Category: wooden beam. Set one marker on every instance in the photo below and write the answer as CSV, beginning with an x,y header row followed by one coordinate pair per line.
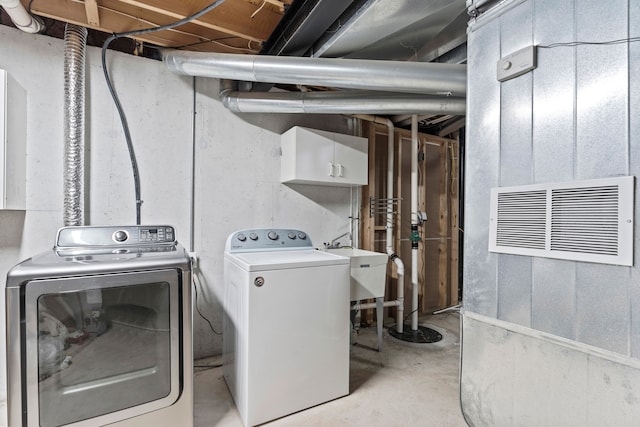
x,y
121,16
453,126
121,21
276,3
91,9
232,17
454,225
443,228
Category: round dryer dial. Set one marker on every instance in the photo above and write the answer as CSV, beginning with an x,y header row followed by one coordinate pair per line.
x,y
272,235
120,236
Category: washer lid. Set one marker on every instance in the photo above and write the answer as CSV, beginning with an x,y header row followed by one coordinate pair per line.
x,y
283,260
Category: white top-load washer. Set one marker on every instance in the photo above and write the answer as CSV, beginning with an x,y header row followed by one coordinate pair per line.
x,y
286,323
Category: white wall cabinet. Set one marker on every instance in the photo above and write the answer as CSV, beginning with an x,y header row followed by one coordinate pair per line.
x,y
13,141
311,156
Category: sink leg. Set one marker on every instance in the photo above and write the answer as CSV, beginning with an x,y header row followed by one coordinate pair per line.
x,y
379,316
352,326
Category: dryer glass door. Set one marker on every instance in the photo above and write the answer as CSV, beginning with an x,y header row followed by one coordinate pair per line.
x,y
101,348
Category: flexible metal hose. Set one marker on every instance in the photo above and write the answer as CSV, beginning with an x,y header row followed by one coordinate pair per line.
x,y
75,41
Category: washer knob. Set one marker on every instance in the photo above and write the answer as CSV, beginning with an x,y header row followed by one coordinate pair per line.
x,y
120,236
292,235
253,236
302,235
241,237
272,235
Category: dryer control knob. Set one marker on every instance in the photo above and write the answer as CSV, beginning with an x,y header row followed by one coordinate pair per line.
x,y
292,235
253,236
241,237
302,235
120,236
272,235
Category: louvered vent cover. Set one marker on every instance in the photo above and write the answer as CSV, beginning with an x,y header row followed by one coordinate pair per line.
x,y
581,220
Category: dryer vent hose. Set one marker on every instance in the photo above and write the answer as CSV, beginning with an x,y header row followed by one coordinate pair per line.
x,y
75,41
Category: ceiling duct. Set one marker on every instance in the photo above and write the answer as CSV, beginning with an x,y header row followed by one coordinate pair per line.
x,y
342,102
390,76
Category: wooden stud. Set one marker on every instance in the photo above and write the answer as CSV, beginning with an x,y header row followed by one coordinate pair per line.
x,y
437,180
91,9
443,228
454,225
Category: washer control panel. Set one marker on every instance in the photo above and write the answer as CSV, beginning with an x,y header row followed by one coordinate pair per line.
x,y
268,239
73,237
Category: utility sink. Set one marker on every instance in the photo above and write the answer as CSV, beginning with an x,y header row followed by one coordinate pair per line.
x,y
368,272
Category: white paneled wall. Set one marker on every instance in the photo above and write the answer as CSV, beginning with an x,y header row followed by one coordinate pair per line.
x,y
237,166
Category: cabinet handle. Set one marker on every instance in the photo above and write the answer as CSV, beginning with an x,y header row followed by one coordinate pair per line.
x,y
332,169
340,170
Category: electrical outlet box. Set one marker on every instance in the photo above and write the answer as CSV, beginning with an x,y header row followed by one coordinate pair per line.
x,y
516,64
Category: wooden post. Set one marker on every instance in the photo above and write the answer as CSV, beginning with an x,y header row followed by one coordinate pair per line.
x,y
443,227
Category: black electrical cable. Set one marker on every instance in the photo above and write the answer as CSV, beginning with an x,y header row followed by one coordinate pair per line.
x,y
116,100
409,315
195,288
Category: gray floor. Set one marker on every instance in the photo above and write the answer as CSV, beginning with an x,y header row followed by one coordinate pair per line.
x,y
404,385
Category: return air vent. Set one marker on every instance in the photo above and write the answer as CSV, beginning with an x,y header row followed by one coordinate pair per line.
x,y
582,220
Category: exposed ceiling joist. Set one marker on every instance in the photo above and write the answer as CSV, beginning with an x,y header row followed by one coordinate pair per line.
x,y
234,26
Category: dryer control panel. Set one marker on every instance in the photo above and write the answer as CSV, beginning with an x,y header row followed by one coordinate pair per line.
x,y
138,235
266,239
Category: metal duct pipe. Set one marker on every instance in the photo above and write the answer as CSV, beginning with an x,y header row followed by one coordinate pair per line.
x,y
21,18
393,76
338,102
75,41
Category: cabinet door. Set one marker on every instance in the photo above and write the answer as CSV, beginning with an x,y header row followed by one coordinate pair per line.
x,y
351,161
307,157
311,156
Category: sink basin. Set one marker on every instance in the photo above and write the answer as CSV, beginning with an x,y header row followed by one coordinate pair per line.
x,y
368,272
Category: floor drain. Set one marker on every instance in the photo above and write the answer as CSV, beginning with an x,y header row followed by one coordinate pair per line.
x,y
422,335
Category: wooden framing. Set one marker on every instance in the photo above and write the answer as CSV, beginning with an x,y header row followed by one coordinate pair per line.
x,y
438,197
234,26
91,9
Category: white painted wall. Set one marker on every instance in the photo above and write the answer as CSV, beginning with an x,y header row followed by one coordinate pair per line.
x,y
160,111
237,166
237,187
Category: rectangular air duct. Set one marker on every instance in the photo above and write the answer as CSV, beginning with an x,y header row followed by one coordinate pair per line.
x,y
588,221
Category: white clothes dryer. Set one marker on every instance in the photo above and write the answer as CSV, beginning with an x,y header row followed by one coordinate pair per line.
x,y
286,323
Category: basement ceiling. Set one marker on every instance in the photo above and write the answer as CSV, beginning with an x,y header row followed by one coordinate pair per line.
x,y
236,26
373,29
412,30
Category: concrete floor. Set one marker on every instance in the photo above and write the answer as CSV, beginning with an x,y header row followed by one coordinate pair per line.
x,y
404,385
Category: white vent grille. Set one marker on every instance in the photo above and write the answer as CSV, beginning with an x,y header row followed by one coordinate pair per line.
x,y
583,221
521,219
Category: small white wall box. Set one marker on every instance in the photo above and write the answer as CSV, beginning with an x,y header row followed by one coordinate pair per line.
x,y
13,143
311,156
516,64
588,221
